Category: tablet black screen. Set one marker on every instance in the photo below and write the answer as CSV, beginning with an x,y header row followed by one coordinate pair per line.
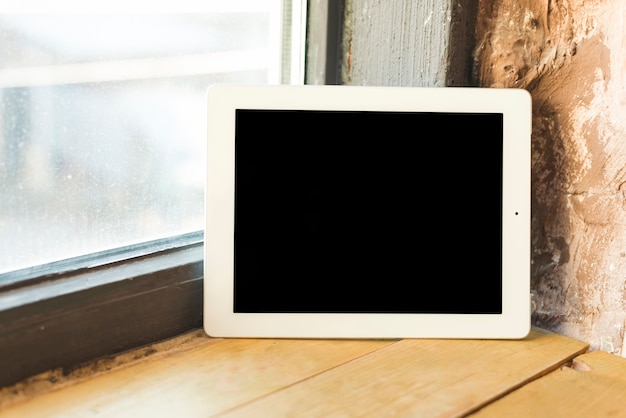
x,y
368,212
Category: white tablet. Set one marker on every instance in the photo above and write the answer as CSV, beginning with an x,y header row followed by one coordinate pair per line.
x,y
367,212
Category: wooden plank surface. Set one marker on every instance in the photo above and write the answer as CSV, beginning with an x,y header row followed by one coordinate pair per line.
x,y
267,377
594,386
200,382
420,378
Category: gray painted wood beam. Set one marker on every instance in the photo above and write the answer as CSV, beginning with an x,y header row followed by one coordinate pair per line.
x,y
425,43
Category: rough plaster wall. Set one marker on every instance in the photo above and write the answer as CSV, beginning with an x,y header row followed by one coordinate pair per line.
x,y
570,54
396,42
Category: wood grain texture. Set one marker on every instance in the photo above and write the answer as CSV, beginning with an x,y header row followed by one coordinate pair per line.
x,y
420,378
595,386
200,382
312,378
397,43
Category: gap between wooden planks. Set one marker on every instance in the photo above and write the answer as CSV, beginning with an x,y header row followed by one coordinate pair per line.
x,y
313,378
593,386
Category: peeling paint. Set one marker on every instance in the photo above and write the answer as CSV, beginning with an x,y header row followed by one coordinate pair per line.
x,y
565,54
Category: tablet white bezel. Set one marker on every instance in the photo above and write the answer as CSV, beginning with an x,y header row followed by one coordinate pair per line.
x,y
219,317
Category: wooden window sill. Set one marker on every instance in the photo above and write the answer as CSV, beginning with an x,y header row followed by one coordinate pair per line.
x,y
67,313
194,375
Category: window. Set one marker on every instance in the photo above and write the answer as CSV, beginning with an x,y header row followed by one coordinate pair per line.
x,y
102,118
102,136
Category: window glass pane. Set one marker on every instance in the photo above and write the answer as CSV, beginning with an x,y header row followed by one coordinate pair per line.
x,y
102,121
